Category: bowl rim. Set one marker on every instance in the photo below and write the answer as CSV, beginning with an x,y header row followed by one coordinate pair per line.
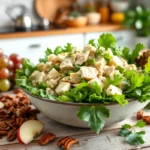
x,y
71,103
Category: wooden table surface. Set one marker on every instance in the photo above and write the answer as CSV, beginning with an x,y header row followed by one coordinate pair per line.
x,y
108,139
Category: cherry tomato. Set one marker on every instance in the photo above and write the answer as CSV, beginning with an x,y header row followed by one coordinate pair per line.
x,y
10,65
17,66
15,58
4,85
4,73
3,62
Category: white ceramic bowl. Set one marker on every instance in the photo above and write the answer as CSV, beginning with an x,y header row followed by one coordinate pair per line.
x,y
119,6
93,18
65,113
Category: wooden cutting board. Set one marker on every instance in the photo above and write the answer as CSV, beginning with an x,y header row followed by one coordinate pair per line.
x,y
49,8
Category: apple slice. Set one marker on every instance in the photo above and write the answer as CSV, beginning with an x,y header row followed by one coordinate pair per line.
x,y
1,105
29,130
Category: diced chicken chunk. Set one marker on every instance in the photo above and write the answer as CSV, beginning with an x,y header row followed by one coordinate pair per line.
x,y
98,81
53,74
49,91
66,79
112,90
62,56
53,58
115,61
66,64
113,73
52,82
37,77
41,66
124,62
90,48
88,73
48,66
62,87
108,70
82,57
131,67
100,65
75,77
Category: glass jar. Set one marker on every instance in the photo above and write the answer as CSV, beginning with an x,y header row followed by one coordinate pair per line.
x,y
104,10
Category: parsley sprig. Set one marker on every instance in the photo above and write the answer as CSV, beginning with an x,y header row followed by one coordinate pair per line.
x,y
132,136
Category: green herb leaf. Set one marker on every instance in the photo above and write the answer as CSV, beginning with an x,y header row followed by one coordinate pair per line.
x,y
68,48
126,53
147,66
117,79
134,139
126,126
140,124
91,61
107,57
124,132
92,42
94,115
107,40
76,67
135,52
58,50
47,53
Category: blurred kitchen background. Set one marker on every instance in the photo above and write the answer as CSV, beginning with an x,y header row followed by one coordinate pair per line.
x,y
28,27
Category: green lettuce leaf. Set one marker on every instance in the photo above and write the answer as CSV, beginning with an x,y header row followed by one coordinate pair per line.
x,y
117,79
135,80
47,53
147,66
120,99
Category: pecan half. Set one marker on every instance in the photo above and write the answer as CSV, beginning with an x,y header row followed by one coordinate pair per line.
x,y
19,121
46,138
12,135
146,119
140,114
16,91
4,126
3,133
67,142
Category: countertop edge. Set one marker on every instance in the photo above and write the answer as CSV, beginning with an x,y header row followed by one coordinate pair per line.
x,y
81,30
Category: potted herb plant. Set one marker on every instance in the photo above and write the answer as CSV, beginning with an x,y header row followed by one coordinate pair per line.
x,y
139,18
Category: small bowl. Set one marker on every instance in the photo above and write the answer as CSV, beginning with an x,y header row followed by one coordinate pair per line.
x,y
119,6
65,113
93,18
76,22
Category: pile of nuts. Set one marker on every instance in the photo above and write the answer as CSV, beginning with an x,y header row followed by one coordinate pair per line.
x,y
141,115
14,111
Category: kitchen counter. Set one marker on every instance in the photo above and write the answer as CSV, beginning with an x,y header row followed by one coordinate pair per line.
x,y
86,29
